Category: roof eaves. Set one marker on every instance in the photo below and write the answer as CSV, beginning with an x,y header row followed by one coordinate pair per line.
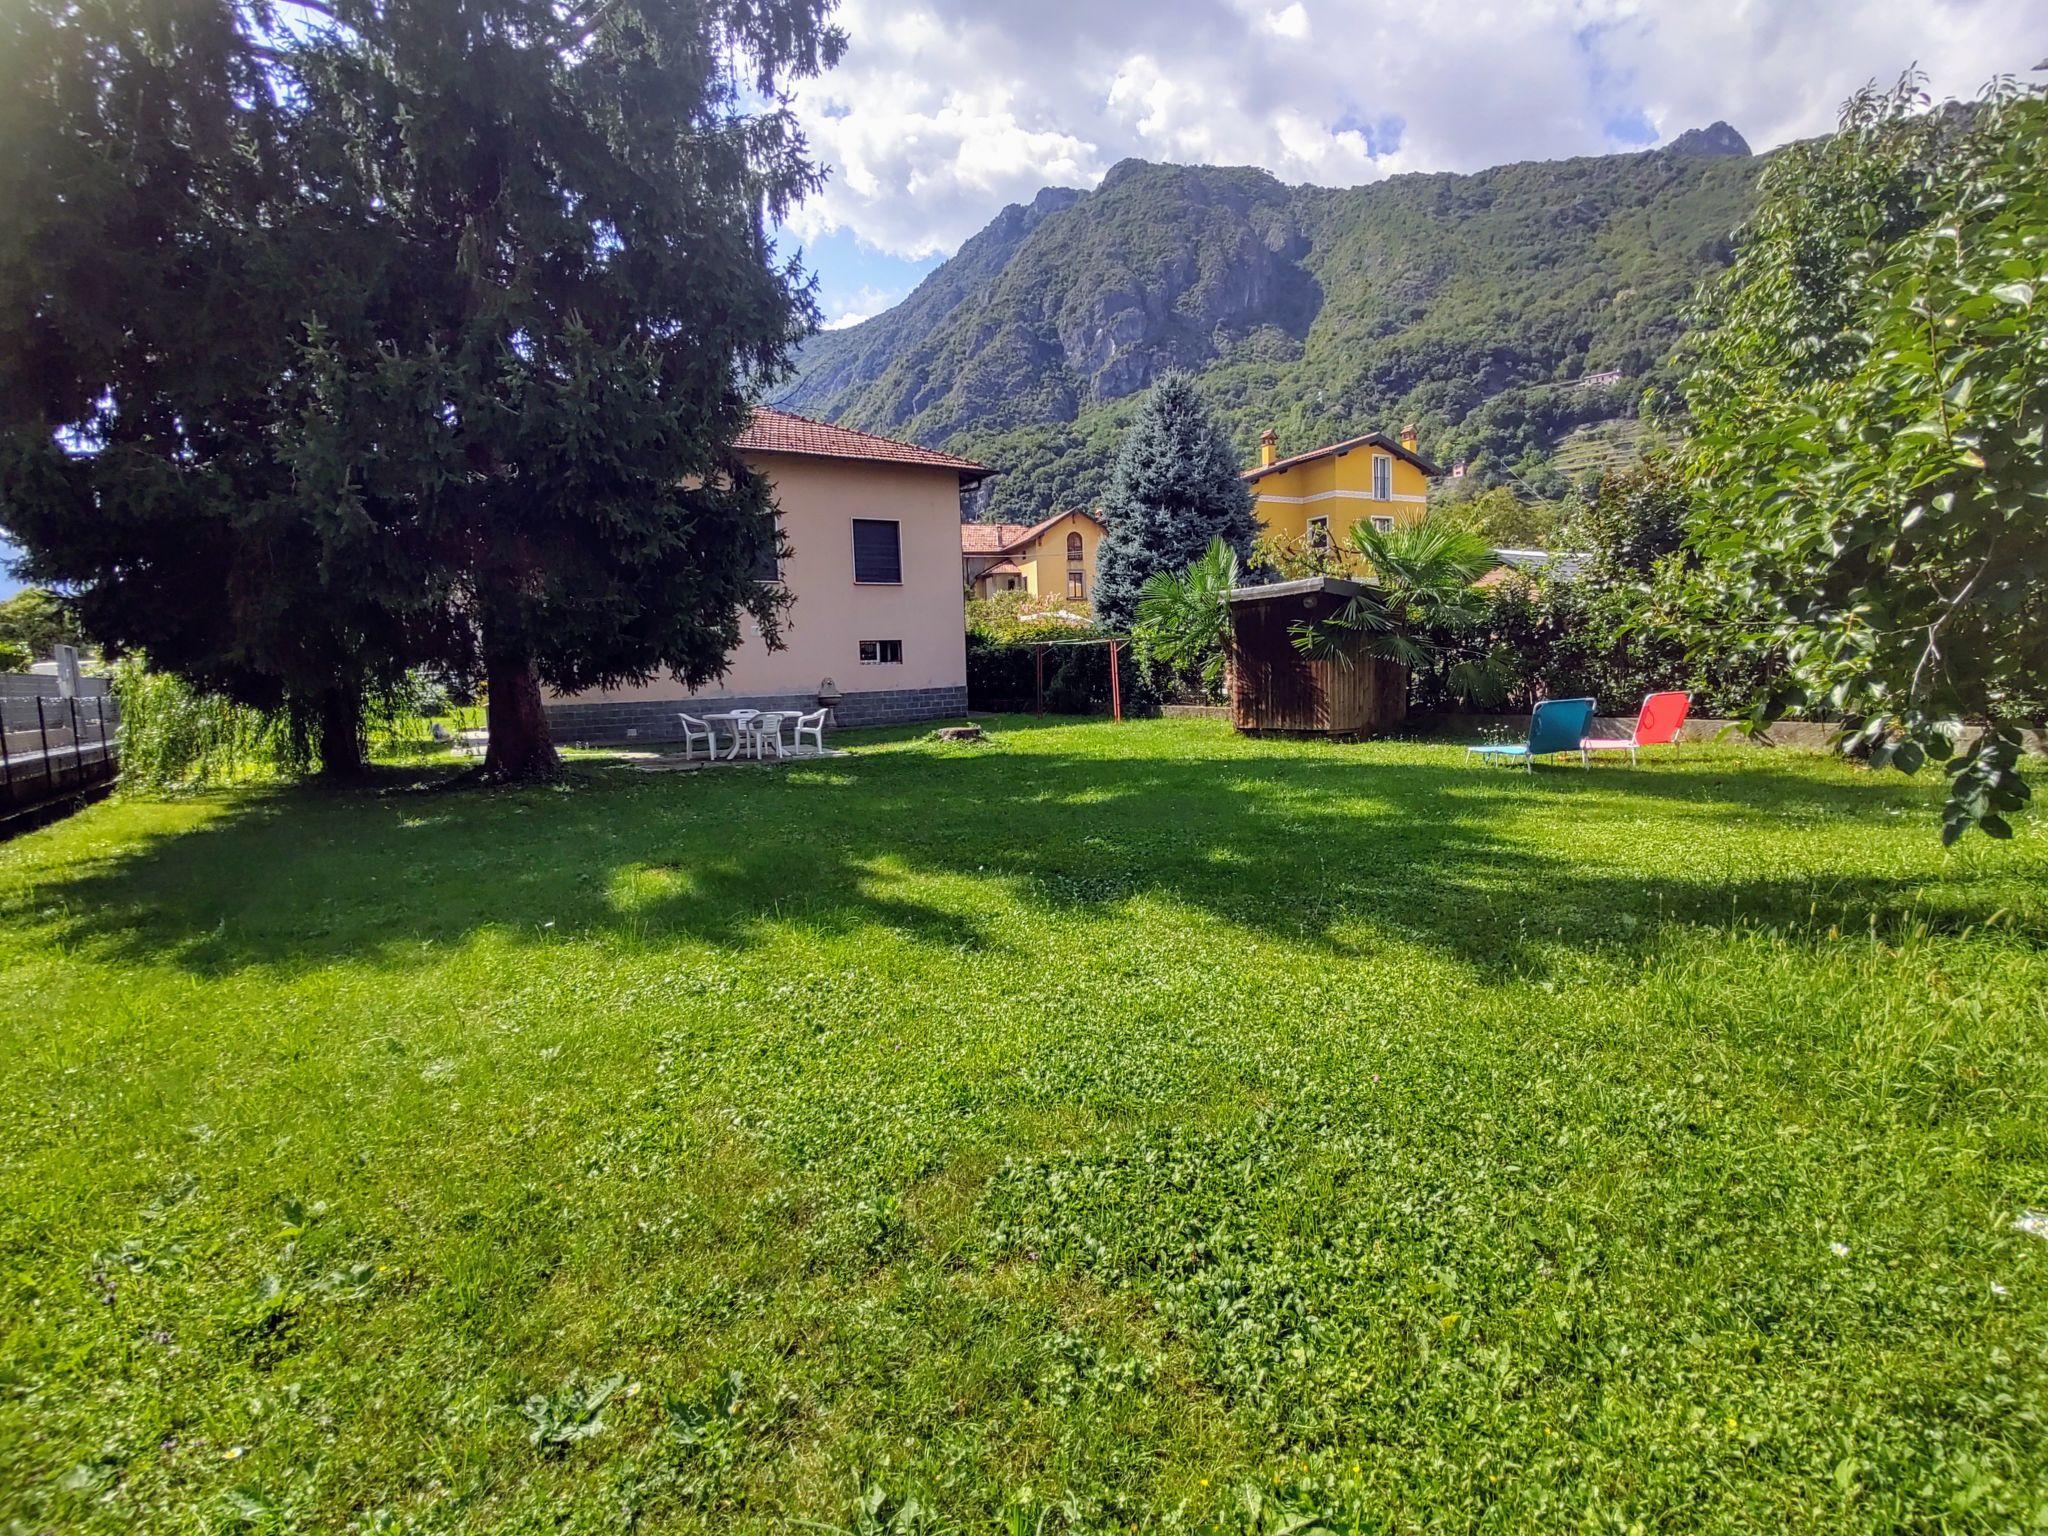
x,y
1332,450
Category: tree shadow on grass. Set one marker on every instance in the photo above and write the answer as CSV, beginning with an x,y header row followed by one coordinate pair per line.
x,y
1346,849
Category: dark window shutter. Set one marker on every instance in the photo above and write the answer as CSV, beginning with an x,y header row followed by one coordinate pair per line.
x,y
766,566
877,550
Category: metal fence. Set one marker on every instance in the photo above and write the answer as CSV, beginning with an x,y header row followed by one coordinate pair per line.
x,y
50,746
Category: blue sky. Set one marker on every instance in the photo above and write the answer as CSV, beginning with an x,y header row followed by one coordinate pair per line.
x,y
855,279
941,113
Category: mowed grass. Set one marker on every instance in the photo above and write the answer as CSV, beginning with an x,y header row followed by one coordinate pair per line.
x,y
1099,1129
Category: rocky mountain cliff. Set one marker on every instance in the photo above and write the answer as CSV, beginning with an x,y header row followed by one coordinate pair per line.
x,y
1476,305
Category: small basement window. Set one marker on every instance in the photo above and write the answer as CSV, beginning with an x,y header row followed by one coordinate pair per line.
x,y
877,552
881,652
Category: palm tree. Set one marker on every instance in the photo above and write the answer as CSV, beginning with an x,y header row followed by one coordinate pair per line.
x,y
1419,607
1184,618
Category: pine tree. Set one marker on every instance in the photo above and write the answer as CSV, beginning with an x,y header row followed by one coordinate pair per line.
x,y
1174,490
448,321
148,305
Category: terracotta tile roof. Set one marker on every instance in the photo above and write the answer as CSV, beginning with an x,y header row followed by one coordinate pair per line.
x,y
773,431
988,538
1328,450
995,538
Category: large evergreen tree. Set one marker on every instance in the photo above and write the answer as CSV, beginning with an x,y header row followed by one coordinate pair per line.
x,y
1175,490
475,293
149,304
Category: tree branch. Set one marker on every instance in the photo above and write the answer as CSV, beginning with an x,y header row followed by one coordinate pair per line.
x,y
1933,651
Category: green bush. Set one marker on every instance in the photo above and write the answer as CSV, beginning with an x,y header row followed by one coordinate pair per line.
x,y
173,737
1002,676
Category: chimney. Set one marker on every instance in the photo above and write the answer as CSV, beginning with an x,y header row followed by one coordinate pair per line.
x,y
1269,448
1408,438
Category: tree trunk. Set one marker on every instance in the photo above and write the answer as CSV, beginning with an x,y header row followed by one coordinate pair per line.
x,y
520,747
341,735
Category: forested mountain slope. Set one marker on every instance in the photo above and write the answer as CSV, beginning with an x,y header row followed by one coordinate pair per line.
x,y
1470,304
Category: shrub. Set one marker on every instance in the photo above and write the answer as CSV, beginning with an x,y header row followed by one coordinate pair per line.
x,y
1002,676
173,737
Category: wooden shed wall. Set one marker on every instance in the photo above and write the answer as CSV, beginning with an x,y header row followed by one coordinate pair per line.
x,y
1273,687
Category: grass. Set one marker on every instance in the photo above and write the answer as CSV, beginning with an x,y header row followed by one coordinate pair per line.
x,y
1100,1128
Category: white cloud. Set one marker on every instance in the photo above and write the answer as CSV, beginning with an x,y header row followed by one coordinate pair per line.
x,y
942,113
1290,21
866,302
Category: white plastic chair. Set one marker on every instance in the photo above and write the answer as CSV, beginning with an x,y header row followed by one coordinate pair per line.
x,y
765,731
692,729
812,725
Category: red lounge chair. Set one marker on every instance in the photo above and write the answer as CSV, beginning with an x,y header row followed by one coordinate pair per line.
x,y
1657,726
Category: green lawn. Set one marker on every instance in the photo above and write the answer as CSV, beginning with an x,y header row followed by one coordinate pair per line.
x,y
1100,1128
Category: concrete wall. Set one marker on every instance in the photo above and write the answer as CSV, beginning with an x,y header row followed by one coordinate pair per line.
x,y
28,685
655,720
1800,735
830,614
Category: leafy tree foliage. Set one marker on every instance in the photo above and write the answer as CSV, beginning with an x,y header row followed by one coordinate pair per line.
x,y
504,281
152,284
1505,519
1184,616
36,620
1421,608
1175,489
1633,521
1621,622
1868,414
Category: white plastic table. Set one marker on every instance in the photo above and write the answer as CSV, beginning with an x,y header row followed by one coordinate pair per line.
x,y
731,720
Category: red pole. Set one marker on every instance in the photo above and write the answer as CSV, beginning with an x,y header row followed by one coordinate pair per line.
x,y
1116,692
1038,661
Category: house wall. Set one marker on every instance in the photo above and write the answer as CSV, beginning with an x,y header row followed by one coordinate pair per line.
x,y
1339,488
1045,558
830,614
985,585
1043,561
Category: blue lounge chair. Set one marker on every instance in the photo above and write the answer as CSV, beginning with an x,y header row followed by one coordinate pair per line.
x,y
1555,725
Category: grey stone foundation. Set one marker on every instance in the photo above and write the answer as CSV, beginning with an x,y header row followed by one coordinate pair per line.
x,y
637,720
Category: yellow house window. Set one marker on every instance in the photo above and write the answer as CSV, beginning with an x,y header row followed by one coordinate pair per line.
x,y
1073,549
1319,533
1382,524
1076,584
1382,477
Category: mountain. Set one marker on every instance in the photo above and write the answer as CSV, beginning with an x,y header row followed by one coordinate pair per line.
x,y
1485,307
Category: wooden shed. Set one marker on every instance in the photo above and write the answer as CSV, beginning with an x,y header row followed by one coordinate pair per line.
x,y
1273,687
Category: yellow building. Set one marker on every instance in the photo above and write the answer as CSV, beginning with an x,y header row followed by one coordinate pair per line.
x,y
1315,497
1055,558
